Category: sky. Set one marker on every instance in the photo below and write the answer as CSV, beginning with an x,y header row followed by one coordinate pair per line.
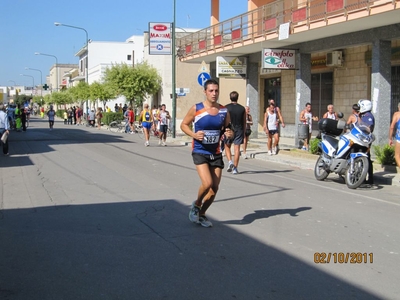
x,y
27,26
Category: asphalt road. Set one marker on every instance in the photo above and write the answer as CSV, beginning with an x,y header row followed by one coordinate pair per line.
x,y
90,214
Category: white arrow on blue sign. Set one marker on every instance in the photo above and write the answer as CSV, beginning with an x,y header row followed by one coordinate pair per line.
x,y
202,78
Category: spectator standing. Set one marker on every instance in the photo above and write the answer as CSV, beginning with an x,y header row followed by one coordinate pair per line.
x,y
210,120
4,128
395,131
126,119
306,117
238,119
23,119
79,112
65,117
51,114
330,114
18,122
249,123
155,112
164,117
74,114
368,119
70,116
99,116
91,118
353,118
131,118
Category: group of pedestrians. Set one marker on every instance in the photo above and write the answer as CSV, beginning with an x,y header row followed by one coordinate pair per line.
x,y
156,120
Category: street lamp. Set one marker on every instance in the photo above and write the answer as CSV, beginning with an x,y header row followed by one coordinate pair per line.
x,y
33,79
87,53
41,80
14,82
39,53
173,72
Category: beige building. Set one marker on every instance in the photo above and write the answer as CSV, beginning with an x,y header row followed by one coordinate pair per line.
x,y
342,51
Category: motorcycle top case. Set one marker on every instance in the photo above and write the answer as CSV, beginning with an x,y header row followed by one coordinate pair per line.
x,y
329,126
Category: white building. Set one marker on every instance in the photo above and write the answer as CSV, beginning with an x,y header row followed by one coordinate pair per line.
x,y
103,55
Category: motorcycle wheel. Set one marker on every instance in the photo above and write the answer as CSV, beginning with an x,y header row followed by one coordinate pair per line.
x,y
319,172
354,180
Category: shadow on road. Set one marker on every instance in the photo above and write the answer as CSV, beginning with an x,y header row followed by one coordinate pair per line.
x,y
149,250
263,214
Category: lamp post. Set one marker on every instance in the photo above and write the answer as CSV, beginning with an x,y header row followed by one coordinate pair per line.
x,y
41,81
87,54
14,82
173,72
33,80
39,53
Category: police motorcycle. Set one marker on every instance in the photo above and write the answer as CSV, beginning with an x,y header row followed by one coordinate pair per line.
x,y
344,153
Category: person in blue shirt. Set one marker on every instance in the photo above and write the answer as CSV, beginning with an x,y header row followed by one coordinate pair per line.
x,y
368,119
210,121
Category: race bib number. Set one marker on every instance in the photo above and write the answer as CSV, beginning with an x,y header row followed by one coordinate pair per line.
x,y
211,136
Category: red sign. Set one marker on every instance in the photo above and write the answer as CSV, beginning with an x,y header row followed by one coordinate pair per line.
x,y
160,27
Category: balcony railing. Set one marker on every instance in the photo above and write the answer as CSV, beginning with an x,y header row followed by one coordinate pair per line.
x,y
263,23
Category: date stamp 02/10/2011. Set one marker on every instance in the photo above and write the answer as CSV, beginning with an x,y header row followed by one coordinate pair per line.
x,y
343,258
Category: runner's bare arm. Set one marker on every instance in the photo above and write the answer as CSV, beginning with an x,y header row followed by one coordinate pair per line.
x,y
187,121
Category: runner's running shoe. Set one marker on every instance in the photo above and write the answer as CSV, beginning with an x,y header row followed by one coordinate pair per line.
x,y
203,221
194,213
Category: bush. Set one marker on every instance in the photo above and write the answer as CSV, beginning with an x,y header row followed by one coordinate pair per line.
x,y
109,117
314,146
60,113
384,155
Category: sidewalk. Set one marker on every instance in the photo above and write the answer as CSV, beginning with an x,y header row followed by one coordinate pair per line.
x,y
289,155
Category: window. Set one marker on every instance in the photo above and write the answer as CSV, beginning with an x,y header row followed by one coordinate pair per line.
x,y
321,93
129,57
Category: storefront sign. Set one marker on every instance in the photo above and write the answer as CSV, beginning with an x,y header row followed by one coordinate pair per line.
x,y
231,66
160,38
279,59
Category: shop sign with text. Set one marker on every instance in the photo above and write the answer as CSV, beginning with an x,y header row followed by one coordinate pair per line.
x,y
231,66
279,59
160,38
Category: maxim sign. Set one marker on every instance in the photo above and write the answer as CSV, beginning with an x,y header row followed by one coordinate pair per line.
x,y
278,59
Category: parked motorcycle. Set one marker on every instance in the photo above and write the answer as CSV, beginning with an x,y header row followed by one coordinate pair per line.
x,y
345,154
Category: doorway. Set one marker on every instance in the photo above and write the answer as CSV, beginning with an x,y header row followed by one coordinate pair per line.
x,y
272,90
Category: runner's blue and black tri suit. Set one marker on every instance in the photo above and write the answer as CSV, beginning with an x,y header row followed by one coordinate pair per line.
x,y
208,150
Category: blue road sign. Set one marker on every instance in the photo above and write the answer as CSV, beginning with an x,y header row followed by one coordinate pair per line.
x,y
202,78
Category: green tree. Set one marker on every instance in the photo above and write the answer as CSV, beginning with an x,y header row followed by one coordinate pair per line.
x,y
135,83
47,99
79,93
61,98
21,99
100,91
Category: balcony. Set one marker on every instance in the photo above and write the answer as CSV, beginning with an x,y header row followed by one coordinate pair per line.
x,y
308,20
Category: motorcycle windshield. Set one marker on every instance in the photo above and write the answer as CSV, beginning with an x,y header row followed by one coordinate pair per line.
x,y
362,131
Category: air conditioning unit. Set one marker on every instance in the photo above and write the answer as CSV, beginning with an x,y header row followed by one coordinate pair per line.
x,y
334,59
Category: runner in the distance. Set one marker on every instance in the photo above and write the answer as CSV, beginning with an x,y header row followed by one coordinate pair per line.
x,y
210,120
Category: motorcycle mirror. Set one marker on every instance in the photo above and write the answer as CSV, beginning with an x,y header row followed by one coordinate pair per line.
x,y
340,115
